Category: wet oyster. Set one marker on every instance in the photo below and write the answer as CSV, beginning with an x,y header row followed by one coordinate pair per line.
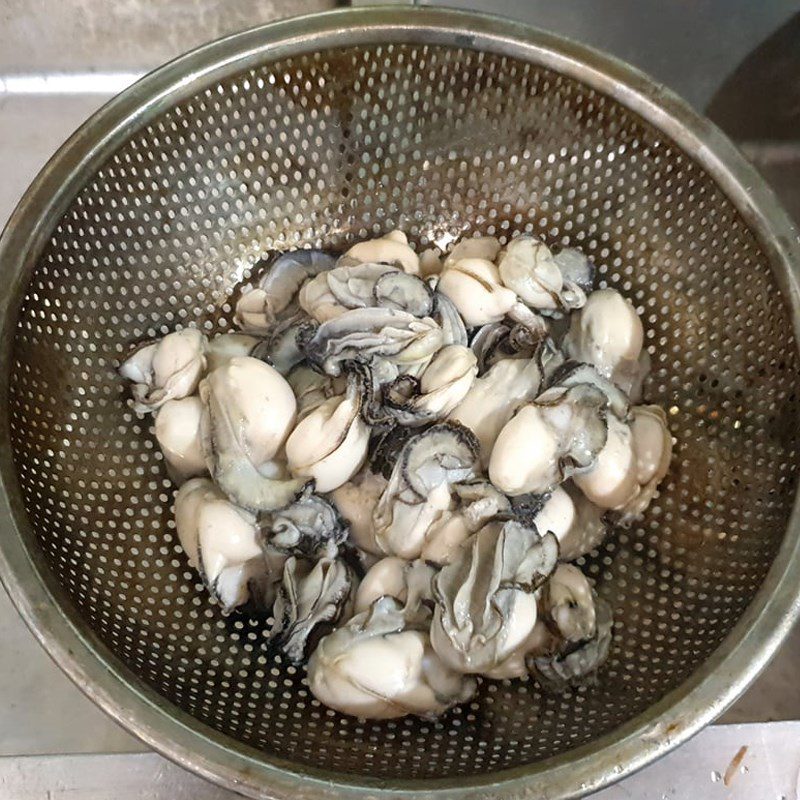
x,y
356,501
226,346
177,430
409,582
430,262
312,598
418,492
473,286
276,294
441,387
652,445
311,388
608,334
571,663
575,268
330,444
282,346
611,480
502,340
569,605
529,269
577,523
569,428
167,369
366,285
483,247
486,599
221,541
539,642
310,527
455,439
449,320
381,665
249,410
476,502
392,248
573,373
397,340
494,397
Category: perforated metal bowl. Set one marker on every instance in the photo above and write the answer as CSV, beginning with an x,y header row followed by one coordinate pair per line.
x,y
322,130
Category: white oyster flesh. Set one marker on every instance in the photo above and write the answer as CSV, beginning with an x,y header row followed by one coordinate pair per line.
x,y
568,603
221,540
392,337
447,379
444,538
330,444
318,301
249,409
356,501
587,528
477,502
366,285
226,346
311,389
275,296
442,386
418,492
177,430
446,315
527,268
494,397
473,286
187,506
168,369
483,247
652,445
556,516
526,453
611,481
608,334
538,642
381,665
393,248
486,603
313,597
385,578
568,428
409,582
430,262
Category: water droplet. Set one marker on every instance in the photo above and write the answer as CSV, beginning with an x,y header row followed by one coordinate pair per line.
x,y
715,777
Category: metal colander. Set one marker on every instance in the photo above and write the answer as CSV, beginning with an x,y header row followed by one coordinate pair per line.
x,y
318,132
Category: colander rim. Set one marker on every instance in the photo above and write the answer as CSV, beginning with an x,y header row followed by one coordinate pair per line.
x,y
45,606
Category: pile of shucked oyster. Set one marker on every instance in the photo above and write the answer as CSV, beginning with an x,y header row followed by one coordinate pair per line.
x,y
398,456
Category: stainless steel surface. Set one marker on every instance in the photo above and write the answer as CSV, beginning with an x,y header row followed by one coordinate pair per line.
x,y
689,46
708,576
45,36
707,767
